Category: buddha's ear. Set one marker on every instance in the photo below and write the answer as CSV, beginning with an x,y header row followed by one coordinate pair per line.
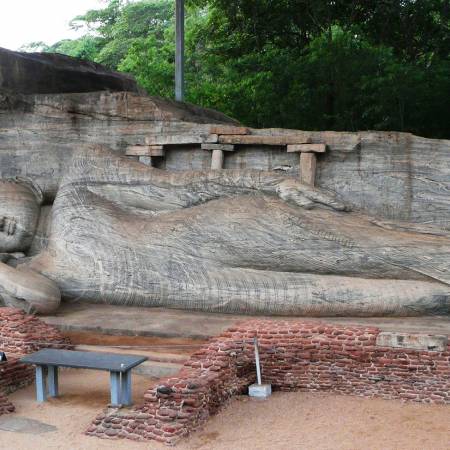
x,y
32,186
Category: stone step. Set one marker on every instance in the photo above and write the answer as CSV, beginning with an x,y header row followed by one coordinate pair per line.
x,y
158,365
157,369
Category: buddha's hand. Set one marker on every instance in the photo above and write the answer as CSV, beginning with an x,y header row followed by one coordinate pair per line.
x,y
8,225
308,197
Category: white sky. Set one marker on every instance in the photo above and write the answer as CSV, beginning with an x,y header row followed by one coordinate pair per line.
x,y
25,21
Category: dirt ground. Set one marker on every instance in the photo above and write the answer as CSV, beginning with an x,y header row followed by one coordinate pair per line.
x,y
285,421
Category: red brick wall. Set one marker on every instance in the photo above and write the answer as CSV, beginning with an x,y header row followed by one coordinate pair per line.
x,y
14,375
294,356
20,334
6,406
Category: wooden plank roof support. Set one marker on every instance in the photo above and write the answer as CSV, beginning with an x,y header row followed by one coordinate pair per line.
x,y
253,139
316,148
223,147
145,150
180,139
145,153
308,160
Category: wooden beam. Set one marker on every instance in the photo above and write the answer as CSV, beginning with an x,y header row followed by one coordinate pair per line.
x,y
251,139
157,150
179,139
145,150
223,147
315,148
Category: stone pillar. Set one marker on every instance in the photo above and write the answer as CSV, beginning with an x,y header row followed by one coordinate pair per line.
x,y
308,160
308,163
145,153
217,158
147,160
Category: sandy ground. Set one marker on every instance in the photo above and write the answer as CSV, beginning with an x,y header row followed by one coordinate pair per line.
x,y
285,421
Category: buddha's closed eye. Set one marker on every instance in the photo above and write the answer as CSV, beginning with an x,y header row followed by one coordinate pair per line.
x,y
8,225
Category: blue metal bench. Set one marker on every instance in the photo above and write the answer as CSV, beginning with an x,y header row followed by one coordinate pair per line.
x,y
48,360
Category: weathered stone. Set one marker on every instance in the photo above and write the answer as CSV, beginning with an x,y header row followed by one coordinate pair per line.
x,y
25,425
236,240
33,73
145,150
308,164
223,147
297,226
413,340
217,158
261,140
316,148
174,139
147,160
52,127
225,129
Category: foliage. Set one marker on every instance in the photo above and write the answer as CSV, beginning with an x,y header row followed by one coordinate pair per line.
x,y
308,64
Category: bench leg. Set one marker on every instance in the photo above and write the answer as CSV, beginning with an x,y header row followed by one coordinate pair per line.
x,y
115,388
52,381
41,394
125,388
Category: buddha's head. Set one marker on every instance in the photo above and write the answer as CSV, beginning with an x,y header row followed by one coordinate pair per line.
x,y
20,202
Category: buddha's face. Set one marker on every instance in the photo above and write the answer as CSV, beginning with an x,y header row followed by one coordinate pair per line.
x,y
19,214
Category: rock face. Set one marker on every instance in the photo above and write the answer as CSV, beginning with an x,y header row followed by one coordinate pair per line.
x,y
392,176
39,133
371,238
33,73
238,241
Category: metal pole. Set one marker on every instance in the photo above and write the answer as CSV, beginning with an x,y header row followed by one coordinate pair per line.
x,y
258,368
179,51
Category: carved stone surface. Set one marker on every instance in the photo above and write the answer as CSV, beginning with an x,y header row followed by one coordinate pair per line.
x,y
435,343
395,176
372,238
232,241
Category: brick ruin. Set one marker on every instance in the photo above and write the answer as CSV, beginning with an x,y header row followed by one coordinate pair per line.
x,y
295,355
21,334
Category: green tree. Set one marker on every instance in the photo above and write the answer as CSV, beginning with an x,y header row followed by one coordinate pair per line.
x,y
308,64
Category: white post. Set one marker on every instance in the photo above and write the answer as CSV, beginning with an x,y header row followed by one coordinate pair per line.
x,y
259,390
179,52
258,368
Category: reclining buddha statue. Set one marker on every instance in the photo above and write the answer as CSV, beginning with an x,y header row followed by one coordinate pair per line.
x,y
235,241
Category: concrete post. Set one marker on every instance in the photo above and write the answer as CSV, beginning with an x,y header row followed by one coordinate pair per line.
x,y
41,387
179,52
217,159
52,381
115,388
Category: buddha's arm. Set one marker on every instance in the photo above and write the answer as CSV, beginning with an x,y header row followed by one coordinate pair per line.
x,y
129,182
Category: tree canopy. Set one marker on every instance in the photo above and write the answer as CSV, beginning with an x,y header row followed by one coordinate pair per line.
x,y
307,64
